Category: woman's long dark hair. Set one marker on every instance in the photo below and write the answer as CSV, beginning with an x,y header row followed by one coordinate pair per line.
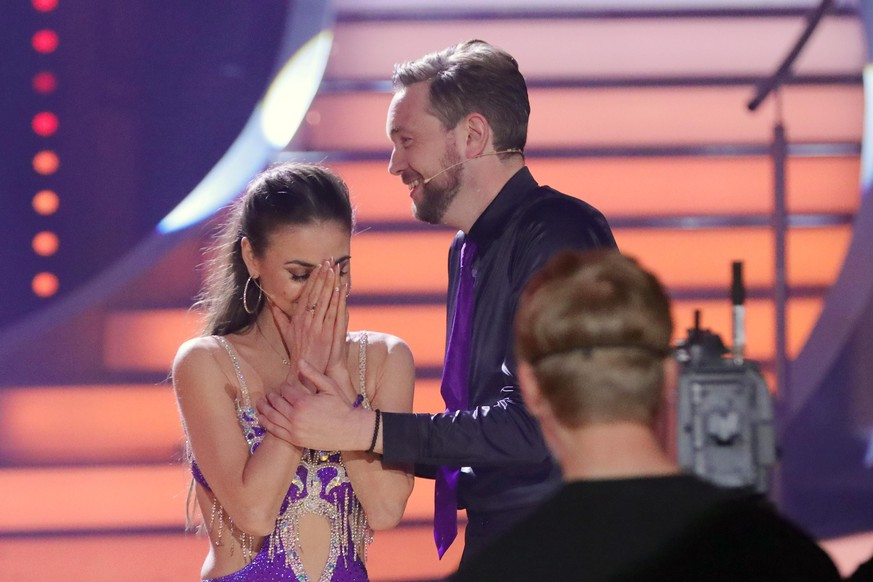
x,y
284,194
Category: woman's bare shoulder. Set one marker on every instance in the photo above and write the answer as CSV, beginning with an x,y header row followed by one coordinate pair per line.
x,y
383,345
199,361
393,371
196,349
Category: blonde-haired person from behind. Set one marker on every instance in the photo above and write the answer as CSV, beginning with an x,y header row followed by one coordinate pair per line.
x,y
593,343
275,302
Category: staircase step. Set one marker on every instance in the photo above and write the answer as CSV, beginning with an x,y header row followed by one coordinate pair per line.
x,y
760,323
93,498
638,187
77,425
402,554
136,342
119,498
702,258
604,47
622,116
147,340
401,262
421,326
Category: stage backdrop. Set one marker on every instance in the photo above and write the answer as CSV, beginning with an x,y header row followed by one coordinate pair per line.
x,y
120,109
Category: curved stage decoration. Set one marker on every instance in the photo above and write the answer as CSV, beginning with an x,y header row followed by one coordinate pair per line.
x,y
827,426
301,61
270,128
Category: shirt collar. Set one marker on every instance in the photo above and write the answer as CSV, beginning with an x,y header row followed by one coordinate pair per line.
x,y
493,220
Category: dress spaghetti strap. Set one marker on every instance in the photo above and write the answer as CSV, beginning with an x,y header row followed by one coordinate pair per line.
x,y
231,351
245,412
362,369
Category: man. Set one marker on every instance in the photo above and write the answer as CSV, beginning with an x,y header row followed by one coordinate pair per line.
x,y
593,341
458,124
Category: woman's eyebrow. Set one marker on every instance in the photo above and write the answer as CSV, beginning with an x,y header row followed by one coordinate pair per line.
x,y
300,263
308,265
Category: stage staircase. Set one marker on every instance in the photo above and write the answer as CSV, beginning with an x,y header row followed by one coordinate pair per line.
x,y
641,114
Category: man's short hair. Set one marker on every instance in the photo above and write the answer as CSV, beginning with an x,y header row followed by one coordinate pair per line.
x,y
473,77
595,327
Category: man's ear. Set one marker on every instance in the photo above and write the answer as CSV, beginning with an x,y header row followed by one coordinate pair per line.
x,y
248,257
478,135
530,390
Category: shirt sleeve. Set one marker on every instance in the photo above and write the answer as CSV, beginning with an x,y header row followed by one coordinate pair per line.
x,y
502,432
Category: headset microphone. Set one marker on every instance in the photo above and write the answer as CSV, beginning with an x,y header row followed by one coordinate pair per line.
x,y
444,170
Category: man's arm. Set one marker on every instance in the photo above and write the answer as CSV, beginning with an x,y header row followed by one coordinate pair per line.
x,y
503,432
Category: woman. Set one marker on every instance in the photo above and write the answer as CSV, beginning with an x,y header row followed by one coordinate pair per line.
x,y
275,298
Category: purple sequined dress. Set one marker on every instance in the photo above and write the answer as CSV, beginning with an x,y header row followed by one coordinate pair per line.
x,y
320,486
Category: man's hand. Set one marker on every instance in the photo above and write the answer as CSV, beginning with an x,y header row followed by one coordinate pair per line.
x,y
315,414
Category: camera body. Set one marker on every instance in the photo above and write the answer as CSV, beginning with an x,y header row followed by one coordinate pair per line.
x,y
724,413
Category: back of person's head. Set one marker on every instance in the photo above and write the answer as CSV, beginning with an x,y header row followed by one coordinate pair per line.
x,y
473,77
595,328
287,194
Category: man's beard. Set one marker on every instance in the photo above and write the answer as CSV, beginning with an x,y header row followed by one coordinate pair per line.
x,y
437,195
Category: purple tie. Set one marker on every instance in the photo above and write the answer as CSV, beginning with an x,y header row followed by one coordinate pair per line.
x,y
454,391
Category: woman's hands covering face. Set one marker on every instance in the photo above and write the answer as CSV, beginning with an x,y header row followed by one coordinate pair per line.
x,y
318,382
317,327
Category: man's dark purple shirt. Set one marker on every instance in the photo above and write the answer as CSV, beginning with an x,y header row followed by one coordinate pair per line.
x,y
497,441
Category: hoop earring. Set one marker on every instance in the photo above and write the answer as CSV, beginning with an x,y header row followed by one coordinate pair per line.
x,y
245,296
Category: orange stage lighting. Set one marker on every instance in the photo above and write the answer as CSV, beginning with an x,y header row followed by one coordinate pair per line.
x,y
45,284
45,243
46,162
46,202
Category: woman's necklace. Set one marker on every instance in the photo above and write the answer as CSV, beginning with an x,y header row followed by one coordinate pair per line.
x,y
284,359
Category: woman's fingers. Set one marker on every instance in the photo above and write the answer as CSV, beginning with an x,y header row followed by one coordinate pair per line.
x,y
310,332
315,307
308,295
330,315
338,348
292,391
322,293
271,419
276,430
316,380
323,384
342,324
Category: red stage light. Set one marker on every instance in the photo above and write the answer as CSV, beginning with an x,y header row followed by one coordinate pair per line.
x,y
44,284
46,202
45,5
46,162
44,82
45,41
45,124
